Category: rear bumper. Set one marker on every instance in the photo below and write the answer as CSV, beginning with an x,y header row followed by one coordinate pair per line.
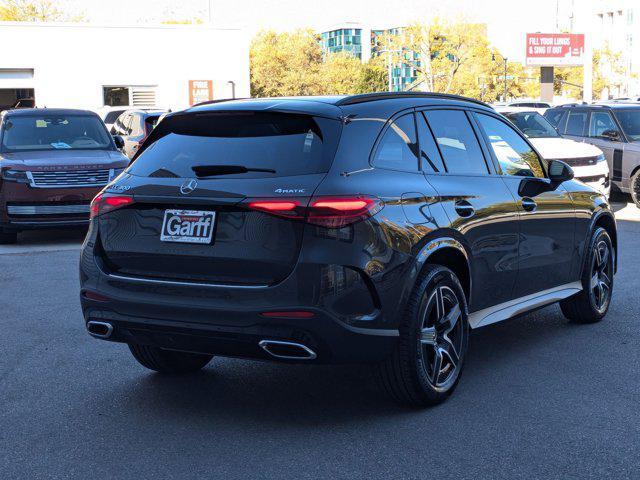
x,y
330,340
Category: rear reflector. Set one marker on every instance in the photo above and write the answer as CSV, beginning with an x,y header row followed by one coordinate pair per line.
x,y
290,314
89,295
329,212
107,202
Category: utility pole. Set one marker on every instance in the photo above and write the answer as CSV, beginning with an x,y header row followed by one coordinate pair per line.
x,y
505,78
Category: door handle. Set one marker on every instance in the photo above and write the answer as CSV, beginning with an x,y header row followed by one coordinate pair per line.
x,y
464,208
528,204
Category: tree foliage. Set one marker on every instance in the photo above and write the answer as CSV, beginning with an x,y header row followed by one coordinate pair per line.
x,y
33,11
292,63
446,57
608,72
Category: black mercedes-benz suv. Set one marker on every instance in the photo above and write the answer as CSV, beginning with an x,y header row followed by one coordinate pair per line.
x,y
373,228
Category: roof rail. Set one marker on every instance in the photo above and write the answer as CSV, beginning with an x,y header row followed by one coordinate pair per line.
x,y
583,104
371,97
210,102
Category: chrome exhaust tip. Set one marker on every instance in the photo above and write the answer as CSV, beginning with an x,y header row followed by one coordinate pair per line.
x,y
99,329
287,350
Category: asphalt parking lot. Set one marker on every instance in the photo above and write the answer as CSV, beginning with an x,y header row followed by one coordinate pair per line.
x,y
540,398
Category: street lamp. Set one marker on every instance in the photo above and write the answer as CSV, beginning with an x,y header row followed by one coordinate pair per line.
x,y
505,60
389,65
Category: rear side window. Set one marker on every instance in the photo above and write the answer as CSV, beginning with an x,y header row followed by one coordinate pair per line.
x,y
456,141
274,144
554,117
398,146
600,123
576,123
515,155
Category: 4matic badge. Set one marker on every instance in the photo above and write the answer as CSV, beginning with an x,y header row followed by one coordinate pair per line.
x,y
288,191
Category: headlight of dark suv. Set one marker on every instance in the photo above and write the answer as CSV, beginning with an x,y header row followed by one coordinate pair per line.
x,y
17,176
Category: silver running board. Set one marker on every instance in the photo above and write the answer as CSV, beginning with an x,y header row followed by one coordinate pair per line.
x,y
512,308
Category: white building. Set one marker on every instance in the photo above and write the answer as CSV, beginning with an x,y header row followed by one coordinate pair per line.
x,y
614,24
89,66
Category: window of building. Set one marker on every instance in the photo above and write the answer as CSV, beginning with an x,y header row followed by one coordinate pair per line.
x,y
127,95
457,142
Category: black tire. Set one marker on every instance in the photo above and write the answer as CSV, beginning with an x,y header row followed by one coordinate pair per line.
x,y
634,188
592,303
7,238
408,375
168,361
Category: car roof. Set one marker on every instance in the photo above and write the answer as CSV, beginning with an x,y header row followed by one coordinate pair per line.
x,y
596,106
336,105
513,109
144,111
26,112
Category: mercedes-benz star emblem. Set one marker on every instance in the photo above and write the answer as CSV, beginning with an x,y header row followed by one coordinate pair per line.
x,y
188,186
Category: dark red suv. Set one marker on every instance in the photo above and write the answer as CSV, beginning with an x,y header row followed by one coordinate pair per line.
x,y
52,163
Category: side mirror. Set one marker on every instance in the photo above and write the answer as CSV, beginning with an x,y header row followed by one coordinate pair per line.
x,y
559,171
119,141
613,135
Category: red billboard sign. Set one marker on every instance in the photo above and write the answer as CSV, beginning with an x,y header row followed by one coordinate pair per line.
x,y
550,49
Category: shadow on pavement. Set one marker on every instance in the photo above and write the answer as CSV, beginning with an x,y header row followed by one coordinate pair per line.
x,y
266,394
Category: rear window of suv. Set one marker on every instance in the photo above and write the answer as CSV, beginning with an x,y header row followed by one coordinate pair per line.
x,y
265,144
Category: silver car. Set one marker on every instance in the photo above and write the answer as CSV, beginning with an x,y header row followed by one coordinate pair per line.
x,y
615,129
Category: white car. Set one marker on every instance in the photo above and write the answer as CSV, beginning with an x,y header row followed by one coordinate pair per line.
x,y
110,114
588,162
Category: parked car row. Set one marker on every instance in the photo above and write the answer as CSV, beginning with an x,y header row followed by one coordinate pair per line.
x,y
615,129
588,162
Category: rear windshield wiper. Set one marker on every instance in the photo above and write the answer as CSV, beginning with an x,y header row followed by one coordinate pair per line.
x,y
213,170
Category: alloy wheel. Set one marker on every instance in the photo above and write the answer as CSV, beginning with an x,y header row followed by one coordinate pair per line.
x,y
442,338
635,189
601,276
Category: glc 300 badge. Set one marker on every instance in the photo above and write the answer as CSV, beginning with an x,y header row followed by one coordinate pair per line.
x,y
188,186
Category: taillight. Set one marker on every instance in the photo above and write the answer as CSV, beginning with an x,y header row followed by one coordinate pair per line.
x,y
324,211
283,208
336,212
107,202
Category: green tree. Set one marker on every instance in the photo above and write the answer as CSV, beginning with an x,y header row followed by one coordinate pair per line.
x,y
608,71
374,76
341,74
34,11
286,63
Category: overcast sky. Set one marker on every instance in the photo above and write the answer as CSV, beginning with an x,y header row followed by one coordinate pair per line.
x,y
507,20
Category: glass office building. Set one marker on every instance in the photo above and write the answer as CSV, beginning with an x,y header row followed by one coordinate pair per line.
x,y
364,43
348,40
